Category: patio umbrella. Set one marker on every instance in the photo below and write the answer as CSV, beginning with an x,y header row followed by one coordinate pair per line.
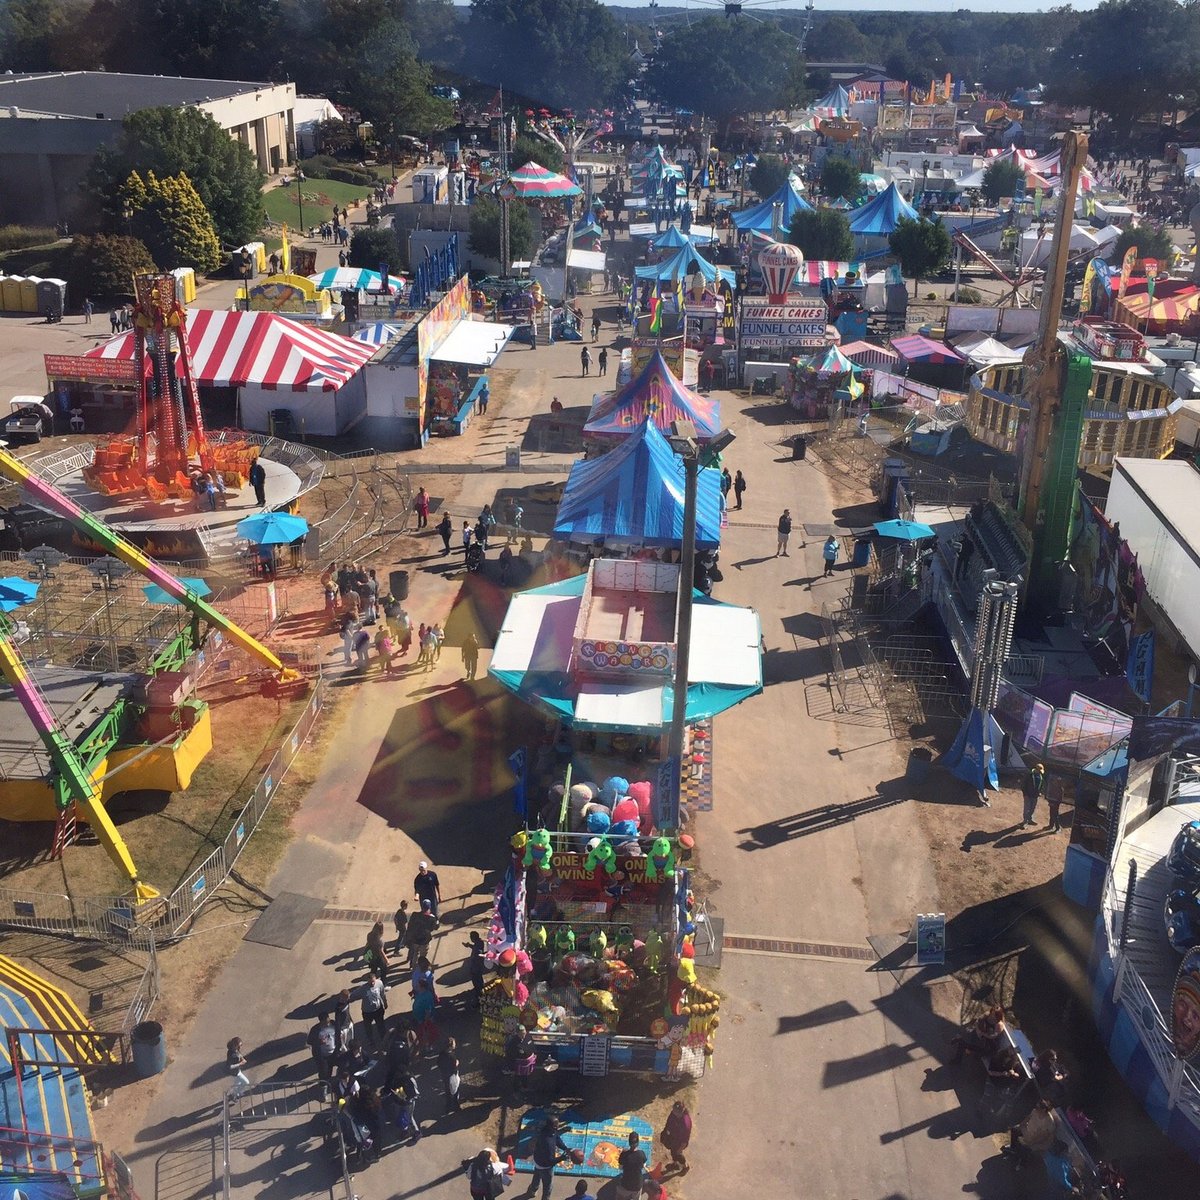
x,y
903,531
338,278
272,528
15,591
534,182
157,595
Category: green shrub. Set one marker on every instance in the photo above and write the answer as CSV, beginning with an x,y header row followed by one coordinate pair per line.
x,y
967,295
18,237
323,166
104,266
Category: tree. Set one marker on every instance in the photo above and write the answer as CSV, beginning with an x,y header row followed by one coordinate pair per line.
x,y
370,247
1150,243
921,246
485,229
841,177
338,139
104,265
170,218
726,69
1001,179
1128,58
770,173
822,233
568,53
183,141
529,148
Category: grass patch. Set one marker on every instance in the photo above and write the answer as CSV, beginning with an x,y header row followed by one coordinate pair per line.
x,y
320,195
46,262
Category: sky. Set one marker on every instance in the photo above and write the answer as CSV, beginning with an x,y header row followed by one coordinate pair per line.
x,y
888,5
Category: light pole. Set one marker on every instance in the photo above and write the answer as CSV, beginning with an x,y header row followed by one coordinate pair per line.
x,y
684,443
924,180
300,198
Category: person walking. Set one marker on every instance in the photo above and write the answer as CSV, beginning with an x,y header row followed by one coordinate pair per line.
x,y
420,933
467,534
429,645
374,1006
585,361
602,360
547,1142
448,1066
676,1134
322,1041
427,888
400,920
470,654
595,327
829,552
235,1063
1031,789
375,953
421,504
483,399
632,1162
486,1176
1055,791
87,311
445,528
475,965
726,481
739,486
258,481
784,530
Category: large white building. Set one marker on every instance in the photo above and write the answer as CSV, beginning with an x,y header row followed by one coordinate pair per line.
x,y
51,126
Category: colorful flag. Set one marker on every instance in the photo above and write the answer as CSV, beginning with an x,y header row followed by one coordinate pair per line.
x,y
656,315
1126,270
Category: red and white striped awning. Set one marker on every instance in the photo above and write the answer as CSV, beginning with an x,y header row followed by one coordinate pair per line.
x,y
867,354
233,349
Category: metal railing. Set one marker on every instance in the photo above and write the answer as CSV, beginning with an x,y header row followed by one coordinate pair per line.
x,y
145,995
26,1150
49,1047
115,919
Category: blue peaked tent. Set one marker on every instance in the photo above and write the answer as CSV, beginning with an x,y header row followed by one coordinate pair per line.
x,y
672,239
635,494
835,102
759,217
880,216
680,266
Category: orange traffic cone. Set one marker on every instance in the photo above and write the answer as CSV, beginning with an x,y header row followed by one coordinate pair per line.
x,y
510,1165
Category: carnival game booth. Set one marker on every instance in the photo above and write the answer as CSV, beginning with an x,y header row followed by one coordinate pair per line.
x,y
592,926
826,384
291,296
267,363
656,395
633,498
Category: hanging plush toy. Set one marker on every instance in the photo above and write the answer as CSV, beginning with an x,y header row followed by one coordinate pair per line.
x,y
517,842
564,940
662,859
536,939
538,851
623,942
654,949
598,943
686,971
601,854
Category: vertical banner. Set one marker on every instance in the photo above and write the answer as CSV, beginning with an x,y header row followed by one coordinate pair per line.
x,y
518,764
1139,668
666,794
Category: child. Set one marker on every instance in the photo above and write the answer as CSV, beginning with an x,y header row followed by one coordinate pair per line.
x,y
235,1061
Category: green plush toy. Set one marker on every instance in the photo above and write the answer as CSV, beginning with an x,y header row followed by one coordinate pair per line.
x,y
564,940
603,855
661,861
538,851
654,950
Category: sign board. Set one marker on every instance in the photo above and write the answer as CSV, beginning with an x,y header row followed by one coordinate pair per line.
x,y
765,326
666,794
79,368
931,939
593,1054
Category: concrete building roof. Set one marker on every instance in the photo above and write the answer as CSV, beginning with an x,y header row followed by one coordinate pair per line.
x,y
108,96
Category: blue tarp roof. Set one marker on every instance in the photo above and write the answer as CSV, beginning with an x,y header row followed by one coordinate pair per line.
x,y
760,216
681,265
635,493
882,215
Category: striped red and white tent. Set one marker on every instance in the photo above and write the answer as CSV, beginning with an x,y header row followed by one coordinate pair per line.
x,y
867,354
261,349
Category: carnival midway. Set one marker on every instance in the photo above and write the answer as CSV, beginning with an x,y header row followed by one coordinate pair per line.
x,y
633,650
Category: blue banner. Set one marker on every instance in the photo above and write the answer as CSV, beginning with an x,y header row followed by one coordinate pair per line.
x,y
1139,668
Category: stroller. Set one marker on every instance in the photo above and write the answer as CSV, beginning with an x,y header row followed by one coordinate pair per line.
x,y
475,557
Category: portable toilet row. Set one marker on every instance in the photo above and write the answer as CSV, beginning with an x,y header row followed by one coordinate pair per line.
x,y
29,294
185,284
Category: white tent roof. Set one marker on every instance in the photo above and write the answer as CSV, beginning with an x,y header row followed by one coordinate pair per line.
x,y
585,260
988,351
474,343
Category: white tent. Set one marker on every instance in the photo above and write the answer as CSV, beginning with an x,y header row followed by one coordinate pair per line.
x,y
308,112
1035,247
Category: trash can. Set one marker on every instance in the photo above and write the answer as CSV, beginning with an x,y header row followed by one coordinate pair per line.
x,y
398,583
799,446
862,552
919,762
149,1049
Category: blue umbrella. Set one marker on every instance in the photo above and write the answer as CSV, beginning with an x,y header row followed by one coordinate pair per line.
x,y
272,528
903,531
156,595
15,591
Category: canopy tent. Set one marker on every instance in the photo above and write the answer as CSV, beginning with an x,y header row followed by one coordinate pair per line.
x,y
700,235
474,343
917,348
534,182
829,362
337,279
880,216
654,394
1038,172
835,103
867,354
672,239
841,204
1161,314
263,354
761,217
588,227
378,333
687,261
534,647
987,351
635,494
969,134
806,124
